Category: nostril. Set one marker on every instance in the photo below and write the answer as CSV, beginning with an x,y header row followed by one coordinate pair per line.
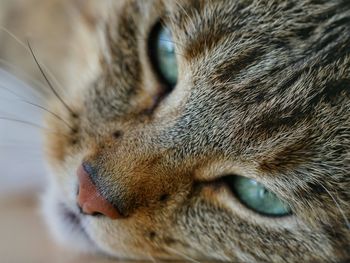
x,y
89,198
97,214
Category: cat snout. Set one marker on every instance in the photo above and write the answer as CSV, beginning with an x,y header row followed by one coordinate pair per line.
x,y
89,198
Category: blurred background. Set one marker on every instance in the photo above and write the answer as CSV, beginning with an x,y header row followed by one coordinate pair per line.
x,y
50,27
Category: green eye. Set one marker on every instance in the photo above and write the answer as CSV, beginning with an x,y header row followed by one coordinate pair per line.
x,y
162,50
256,197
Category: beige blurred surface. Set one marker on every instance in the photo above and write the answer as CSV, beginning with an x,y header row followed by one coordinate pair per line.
x,y
24,237
54,31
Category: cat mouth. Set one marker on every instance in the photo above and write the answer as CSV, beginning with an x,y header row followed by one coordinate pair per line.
x,y
71,217
73,221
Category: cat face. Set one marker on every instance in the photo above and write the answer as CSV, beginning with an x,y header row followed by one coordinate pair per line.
x,y
216,129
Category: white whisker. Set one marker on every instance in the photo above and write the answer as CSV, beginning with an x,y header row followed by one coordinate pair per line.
x,y
6,65
152,258
38,106
338,206
21,43
182,255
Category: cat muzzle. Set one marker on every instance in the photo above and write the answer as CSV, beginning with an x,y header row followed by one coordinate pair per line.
x,y
89,198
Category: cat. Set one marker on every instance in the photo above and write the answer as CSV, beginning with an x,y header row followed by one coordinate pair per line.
x,y
202,130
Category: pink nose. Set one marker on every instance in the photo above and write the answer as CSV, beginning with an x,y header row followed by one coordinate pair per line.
x,y
89,198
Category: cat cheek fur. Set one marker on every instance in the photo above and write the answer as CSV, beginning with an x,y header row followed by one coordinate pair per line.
x,y
261,102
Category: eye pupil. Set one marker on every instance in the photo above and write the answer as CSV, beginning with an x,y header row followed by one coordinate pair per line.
x,y
257,197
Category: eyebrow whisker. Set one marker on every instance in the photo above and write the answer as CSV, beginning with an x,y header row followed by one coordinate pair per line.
x,y
14,37
338,206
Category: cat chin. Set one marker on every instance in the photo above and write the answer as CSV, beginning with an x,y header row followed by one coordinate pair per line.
x,y
65,224
68,228
76,231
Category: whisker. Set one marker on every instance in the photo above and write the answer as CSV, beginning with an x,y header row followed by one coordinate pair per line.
x,y
338,206
48,82
182,255
45,129
190,19
51,112
152,258
30,154
22,121
21,43
14,37
32,81
14,141
38,106
11,91
52,76
22,146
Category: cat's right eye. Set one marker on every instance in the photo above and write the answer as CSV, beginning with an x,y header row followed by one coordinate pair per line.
x,y
257,197
162,52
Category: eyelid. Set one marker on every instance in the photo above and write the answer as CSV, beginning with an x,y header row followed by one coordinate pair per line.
x,y
215,170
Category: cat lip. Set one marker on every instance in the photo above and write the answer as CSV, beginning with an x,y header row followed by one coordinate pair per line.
x,y
74,219
70,215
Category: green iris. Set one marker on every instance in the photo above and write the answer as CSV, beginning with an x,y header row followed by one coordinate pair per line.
x,y
164,55
255,196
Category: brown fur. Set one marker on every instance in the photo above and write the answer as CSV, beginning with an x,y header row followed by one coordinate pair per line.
x,y
263,91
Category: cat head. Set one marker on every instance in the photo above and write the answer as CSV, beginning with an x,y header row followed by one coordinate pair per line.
x,y
212,129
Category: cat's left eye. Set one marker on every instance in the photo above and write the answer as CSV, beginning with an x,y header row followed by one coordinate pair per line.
x,y
162,51
257,197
